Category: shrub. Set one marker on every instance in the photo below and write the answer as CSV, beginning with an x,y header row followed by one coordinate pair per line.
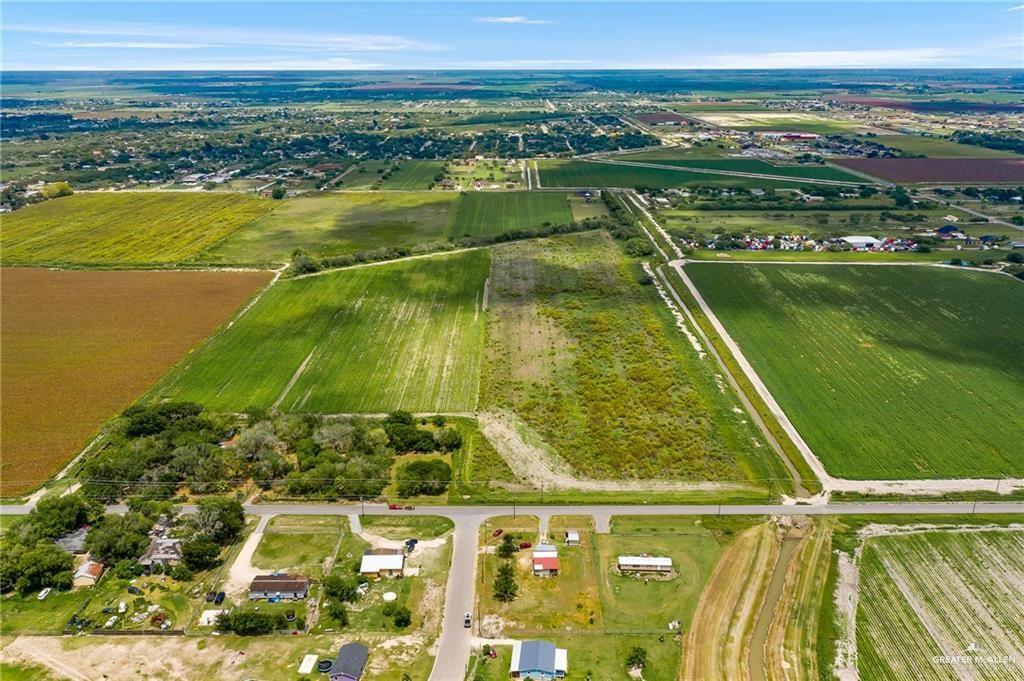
x,y
423,478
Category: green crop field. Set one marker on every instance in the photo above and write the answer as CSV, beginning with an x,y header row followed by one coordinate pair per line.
x,y
484,213
938,147
328,223
877,366
941,593
558,173
368,339
593,362
125,227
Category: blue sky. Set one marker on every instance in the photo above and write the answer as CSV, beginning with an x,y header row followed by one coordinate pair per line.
x,y
524,35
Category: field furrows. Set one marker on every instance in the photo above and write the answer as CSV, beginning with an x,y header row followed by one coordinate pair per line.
x,y
718,644
860,358
957,594
371,339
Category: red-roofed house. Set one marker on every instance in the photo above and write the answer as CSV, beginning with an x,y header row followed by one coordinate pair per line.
x,y
545,561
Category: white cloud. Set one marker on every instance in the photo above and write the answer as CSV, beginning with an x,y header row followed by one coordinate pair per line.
x,y
315,63
511,20
230,36
126,45
1018,8
890,58
521,64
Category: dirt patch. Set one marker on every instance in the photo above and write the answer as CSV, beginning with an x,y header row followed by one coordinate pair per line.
x,y
939,169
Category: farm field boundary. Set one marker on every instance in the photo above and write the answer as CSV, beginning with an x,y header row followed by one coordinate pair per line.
x,y
833,483
736,173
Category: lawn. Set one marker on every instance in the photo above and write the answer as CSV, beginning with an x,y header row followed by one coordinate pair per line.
x,y
125,227
329,223
78,347
486,213
939,593
404,335
405,526
298,544
594,174
876,366
593,364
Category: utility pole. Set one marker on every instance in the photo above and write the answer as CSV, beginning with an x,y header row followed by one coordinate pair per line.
x,y
362,506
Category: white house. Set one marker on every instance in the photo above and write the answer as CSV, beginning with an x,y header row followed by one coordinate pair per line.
x,y
645,564
383,563
862,241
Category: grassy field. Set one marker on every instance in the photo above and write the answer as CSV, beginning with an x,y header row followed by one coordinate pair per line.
x,y
404,335
409,175
403,527
935,594
485,213
876,356
221,658
594,364
328,223
78,347
590,174
298,544
937,146
125,227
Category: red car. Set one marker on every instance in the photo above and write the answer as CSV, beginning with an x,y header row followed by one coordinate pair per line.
x,y
497,532
525,545
394,507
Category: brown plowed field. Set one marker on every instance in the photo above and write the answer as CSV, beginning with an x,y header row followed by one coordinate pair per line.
x,y
982,170
79,346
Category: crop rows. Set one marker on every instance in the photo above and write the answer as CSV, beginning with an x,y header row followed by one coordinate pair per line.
x,y
370,339
125,227
486,213
942,594
876,366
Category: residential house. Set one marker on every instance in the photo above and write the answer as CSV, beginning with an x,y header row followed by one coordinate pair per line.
x,y
645,563
538,660
279,588
545,561
162,552
350,663
383,563
74,542
87,574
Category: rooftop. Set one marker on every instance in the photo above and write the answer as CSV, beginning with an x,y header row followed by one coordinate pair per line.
x,y
351,660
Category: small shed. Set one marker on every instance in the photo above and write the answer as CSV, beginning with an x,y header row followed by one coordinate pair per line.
x,y
350,663
383,563
645,564
278,587
88,574
572,538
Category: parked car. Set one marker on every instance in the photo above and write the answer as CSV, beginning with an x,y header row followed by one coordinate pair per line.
x,y
394,507
44,593
525,545
219,598
468,620
135,591
410,544
497,533
409,507
210,595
